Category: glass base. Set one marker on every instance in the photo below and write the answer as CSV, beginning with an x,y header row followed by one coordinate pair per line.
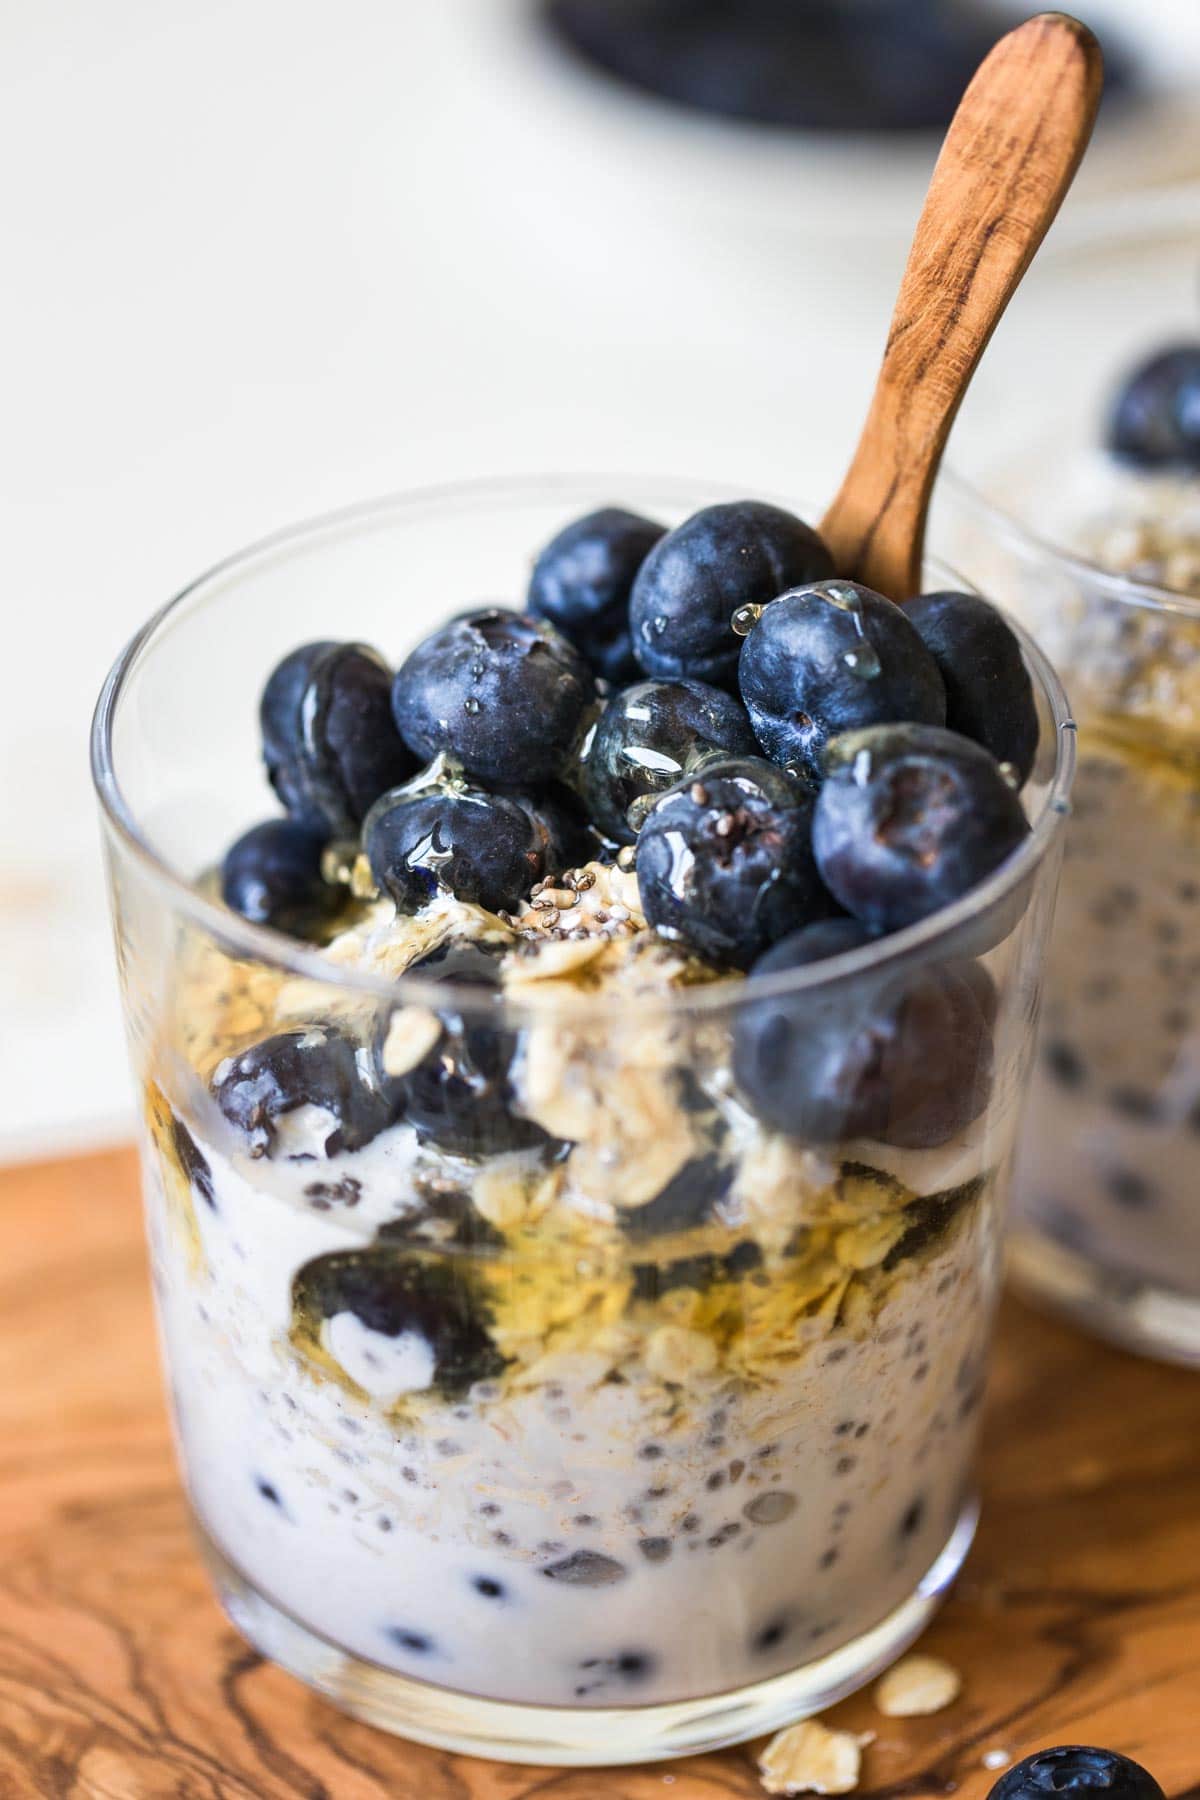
x,y
1131,1313
585,1736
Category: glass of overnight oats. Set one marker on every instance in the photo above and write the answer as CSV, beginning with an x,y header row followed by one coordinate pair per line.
x,y
1091,536
576,1119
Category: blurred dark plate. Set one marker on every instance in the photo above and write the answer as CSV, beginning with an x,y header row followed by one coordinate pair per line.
x,y
811,65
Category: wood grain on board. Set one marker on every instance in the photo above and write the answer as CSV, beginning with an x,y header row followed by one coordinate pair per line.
x,y
1077,1617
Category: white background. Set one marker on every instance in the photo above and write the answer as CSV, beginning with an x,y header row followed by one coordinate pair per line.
x,y
264,258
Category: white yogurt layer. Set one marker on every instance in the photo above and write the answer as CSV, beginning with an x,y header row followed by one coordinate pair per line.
x,y
1107,1164
1108,1159
680,1452
570,1541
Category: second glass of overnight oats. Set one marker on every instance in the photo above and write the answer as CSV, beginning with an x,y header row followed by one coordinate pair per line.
x,y
576,1121
1091,535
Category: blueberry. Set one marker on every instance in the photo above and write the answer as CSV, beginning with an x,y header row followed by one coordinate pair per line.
x,y
316,1067
909,819
1074,1770
272,876
816,943
743,553
459,1095
504,693
192,1161
329,741
687,1200
903,1057
828,658
582,580
480,847
649,737
280,721
725,862
1155,418
397,1291
564,834
989,696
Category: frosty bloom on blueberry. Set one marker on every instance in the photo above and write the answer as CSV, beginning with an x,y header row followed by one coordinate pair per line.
x,y
503,693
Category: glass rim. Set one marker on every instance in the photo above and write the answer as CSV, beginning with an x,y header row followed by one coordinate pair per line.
x,y
1006,527
263,944
1087,227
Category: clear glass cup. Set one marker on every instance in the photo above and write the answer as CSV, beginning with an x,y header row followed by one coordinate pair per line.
x,y
640,1428
1106,1224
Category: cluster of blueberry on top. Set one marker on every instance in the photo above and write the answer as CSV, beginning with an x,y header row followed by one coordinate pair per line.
x,y
801,765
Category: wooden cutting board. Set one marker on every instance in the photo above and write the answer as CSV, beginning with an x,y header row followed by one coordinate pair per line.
x,y
1077,1617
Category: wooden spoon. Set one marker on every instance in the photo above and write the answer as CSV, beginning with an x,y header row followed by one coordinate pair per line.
x,y
1009,157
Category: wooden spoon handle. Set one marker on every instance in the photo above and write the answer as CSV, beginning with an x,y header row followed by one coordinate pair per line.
x,y
1011,151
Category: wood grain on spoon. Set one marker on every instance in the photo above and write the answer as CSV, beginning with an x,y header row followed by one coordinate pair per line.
x,y
1009,157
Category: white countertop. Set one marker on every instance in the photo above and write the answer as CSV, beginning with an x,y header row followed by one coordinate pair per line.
x,y
264,259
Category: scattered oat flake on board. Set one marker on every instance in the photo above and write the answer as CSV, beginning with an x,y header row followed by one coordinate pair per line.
x,y
810,1759
917,1685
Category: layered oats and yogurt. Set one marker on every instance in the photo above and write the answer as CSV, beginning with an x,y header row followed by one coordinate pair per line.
x,y
656,1406
1108,1165
575,1283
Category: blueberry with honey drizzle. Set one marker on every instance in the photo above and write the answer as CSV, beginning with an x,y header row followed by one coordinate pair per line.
x,y
725,862
329,740
829,658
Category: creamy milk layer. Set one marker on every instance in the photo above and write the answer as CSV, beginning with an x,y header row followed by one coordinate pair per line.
x,y
572,1539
